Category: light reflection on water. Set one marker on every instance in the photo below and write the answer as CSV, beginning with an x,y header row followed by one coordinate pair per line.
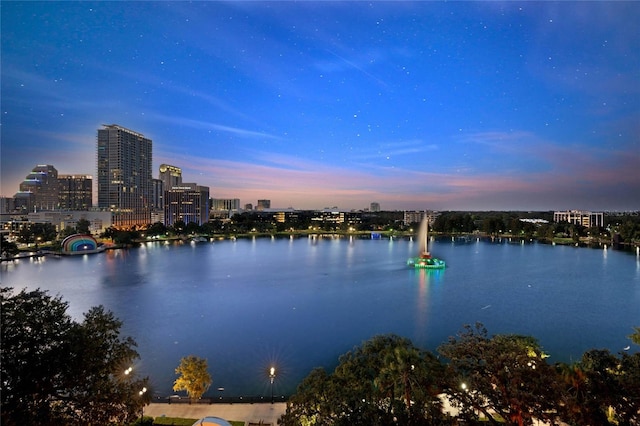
x,y
300,303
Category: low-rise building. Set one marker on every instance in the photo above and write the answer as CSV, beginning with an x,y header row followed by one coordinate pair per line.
x,y
579,217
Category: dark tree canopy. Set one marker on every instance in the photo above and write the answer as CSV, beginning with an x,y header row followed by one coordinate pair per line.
x,y
57,371
504,374
385,381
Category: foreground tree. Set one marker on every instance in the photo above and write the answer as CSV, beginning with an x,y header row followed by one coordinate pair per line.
x,y
193,377
386,380
602,389
8,248
56,371
505,375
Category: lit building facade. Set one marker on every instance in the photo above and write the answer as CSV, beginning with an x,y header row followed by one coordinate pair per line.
x,y
170,176
75,192
124,175
579,217
225,204
188,202
40,189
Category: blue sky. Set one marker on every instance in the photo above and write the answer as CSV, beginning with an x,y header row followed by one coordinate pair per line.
x,y
414,105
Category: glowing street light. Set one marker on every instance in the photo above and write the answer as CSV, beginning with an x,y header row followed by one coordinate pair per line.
x,y
141,393
272,375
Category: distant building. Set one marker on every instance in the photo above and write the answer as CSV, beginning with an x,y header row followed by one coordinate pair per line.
x,y
224,208
42,184
248,207
75,192
124,175
7,204
375,207
225,204
188,202
263,204
416,216
579,217
157,201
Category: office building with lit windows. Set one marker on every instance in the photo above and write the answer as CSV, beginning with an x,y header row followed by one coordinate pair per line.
x,y
75,192
579,217
188,202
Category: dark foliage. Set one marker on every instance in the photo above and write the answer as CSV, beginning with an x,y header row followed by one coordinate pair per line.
x,y
55,371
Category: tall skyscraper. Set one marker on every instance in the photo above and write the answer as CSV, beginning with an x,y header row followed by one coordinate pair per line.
x,y
75,192
124,175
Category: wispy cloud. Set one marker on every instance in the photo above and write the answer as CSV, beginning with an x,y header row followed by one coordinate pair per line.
x,y
206,125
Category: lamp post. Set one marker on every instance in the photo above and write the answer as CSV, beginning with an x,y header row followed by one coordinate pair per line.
x,y
141,393
272,375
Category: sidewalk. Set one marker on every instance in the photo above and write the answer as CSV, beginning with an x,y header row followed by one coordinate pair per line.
x,y
249,413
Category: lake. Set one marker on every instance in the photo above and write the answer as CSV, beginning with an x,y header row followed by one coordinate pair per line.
x,y
299,303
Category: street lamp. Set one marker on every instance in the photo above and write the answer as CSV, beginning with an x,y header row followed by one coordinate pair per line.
x,y
272,375
141,393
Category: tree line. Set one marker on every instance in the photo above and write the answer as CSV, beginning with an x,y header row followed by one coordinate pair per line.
x,y
620,229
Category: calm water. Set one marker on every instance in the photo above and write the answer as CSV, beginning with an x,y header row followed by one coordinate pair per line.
x,y
300,303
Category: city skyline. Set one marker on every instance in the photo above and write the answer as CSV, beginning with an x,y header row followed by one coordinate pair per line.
x,y
412,105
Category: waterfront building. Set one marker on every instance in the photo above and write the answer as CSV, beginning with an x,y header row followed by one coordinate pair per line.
x,y
579,217
40,189
416,216
75,192
124,175
188,202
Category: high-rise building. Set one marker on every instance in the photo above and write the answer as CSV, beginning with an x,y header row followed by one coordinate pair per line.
x,y
263,204
170,176
39,189
188,202
375,207
124,175
75,192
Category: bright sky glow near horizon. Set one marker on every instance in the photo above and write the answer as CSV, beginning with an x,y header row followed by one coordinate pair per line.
x,y
414,105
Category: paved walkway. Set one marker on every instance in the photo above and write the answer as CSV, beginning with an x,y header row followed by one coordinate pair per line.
x,y
249,413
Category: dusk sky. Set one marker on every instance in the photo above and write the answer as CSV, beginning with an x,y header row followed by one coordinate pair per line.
x,y
414,105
